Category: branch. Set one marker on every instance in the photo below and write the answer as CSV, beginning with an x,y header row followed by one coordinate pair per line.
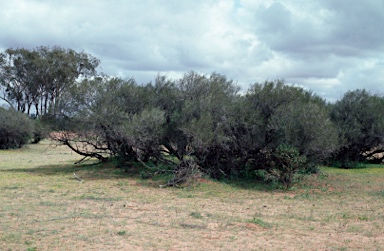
x,y
370,154
9,102
81,181
91,155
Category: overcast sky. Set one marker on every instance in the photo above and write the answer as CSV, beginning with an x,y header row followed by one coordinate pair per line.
x,y
328,46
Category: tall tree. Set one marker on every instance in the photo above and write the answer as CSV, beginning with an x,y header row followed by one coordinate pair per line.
x,y
38,77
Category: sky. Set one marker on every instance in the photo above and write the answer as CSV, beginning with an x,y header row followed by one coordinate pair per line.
x,y
326,46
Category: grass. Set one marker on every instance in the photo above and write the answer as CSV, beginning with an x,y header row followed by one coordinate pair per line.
x,y
43,207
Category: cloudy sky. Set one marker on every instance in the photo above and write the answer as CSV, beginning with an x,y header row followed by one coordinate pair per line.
x,y
328,46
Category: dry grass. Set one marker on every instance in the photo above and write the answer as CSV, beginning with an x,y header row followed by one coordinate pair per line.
x,y
43,207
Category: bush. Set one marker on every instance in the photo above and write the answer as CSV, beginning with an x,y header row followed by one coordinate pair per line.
x,y
40,131
359,118
285,164
16,129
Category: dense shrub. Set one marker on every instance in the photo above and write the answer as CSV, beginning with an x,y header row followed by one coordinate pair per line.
x,y
280,129
203,120
40,132
359,118
16,129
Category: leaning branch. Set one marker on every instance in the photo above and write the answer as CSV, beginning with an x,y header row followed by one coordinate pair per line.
x,y
90,155
9,103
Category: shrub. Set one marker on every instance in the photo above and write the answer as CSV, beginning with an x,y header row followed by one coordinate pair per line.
x,y
16,129
284,165
40,131
359,118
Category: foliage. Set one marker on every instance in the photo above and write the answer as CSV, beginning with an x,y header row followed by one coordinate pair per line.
x,y
200,120
277,114
40,132
16,129
197,124
35,79
360,121
284,164
307,127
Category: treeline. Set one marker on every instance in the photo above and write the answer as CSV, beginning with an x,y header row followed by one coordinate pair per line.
x,y
202,124
35,79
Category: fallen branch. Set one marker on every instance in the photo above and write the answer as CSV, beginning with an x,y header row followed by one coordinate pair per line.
x,y
81,181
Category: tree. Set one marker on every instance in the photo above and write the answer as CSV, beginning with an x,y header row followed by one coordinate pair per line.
x,y
37,78
289,115
360,121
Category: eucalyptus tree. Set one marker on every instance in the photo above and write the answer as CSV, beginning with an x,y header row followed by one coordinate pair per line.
x,y
37,78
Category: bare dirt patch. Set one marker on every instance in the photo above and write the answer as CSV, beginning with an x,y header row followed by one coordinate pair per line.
x,y
43,207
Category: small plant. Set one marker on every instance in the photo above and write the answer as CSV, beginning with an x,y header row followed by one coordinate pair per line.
x,y
363,217
284,165
196,215
123,232
261,223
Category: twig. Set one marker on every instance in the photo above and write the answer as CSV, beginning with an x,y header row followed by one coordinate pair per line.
x,y
81,181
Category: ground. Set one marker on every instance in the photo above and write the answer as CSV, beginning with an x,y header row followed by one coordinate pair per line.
x,y
44,207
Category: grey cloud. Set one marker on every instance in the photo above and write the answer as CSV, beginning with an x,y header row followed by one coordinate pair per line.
x,y
358,24
328,46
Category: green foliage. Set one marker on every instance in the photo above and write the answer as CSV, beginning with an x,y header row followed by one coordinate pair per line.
x,y
35,79
307,127
196,215
16,129
284,165
261,223
40,132
360,121
201,124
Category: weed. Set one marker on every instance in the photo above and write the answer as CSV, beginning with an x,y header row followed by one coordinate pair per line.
x,y
123,232
192,226
48,203
92,197
196,215
261,223
363,218
10,187
346,216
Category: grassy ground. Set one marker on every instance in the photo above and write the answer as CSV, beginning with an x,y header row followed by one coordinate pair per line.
x,y
43,207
